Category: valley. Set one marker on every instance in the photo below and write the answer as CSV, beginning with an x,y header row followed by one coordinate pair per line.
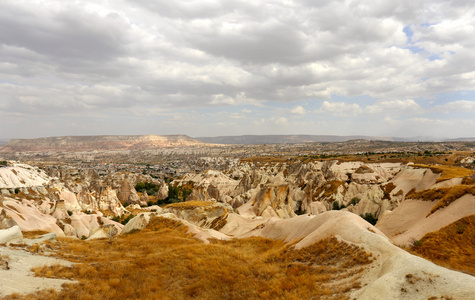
x,y
172,217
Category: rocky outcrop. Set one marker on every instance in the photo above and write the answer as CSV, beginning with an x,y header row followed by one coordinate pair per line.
x,y
211,215
210,185
29,218
86,225
24,178
6,221
128,194
11,235
277,197
139,222
144,198
109,202
285,188
105,232
162,192
106,201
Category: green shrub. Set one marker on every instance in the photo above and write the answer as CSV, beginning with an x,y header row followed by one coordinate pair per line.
x,y
416,243
336,206
369,217
70,213
149,187
126,220
461,228
299,211
354,201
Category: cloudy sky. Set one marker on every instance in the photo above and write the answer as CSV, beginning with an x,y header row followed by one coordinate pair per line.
x,y
207,68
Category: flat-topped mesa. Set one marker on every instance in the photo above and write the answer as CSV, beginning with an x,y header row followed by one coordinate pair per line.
x,y
98,143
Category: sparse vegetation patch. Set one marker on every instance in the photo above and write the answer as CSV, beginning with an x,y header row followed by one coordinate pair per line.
x,y
445,195
452,246
164,262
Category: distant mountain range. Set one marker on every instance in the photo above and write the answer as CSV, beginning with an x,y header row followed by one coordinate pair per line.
x,y
146,142
469,139
98,143
302,138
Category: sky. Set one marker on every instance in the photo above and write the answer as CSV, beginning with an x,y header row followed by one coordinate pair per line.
x,y
209,68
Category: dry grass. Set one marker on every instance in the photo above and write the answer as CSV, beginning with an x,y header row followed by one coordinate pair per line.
x,y
190,204
328,189
33,234
445,195
452,246
364,170
446,172
164,262
387,189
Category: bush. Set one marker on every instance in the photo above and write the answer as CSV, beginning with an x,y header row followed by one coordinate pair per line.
x,y
149,187
126,220
17,190
369,217
336,206
70,213
299,211
354,201
416,243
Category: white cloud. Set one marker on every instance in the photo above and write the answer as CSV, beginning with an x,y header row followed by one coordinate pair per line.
x,y
298,110
339,108
459,105
237,116
281,121
395,107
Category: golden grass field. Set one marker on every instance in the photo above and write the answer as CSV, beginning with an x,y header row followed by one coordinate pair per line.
x,y
445,195
452,247
164,262
446,171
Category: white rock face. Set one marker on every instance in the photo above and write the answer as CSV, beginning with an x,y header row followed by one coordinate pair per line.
x,y
210,185
86,225
70,201
139,222
29,218
22,176
418,179
107,231
20,279
212,216
411,220
6,221
11,235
